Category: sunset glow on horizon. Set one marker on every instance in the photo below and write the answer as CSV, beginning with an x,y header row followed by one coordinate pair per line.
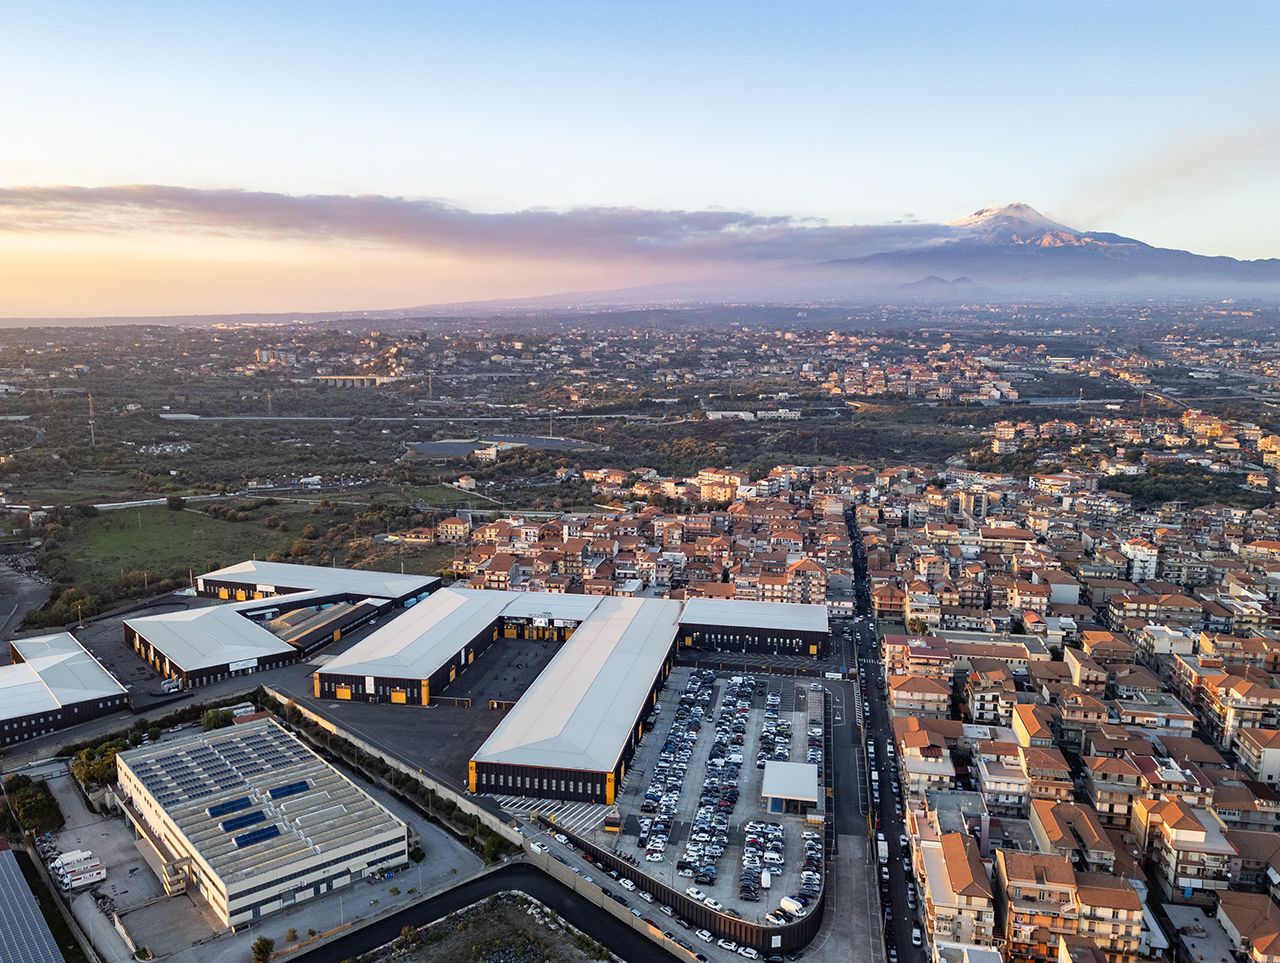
x,y
218,158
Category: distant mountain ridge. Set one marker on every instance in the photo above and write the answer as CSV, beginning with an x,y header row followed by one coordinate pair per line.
x,y
1016,246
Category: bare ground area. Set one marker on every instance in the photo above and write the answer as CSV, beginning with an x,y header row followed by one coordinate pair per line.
x,y
505,929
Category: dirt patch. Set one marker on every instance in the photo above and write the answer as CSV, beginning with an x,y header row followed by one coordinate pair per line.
x,y
505,929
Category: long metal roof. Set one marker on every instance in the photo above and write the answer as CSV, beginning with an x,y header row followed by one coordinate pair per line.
x,y
579,711
736,613
275,576
419,641
204,637
56,670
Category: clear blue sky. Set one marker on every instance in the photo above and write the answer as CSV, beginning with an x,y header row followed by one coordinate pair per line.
x,y
1157,120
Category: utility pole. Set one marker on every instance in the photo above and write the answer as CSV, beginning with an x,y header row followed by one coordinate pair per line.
x,y
93,439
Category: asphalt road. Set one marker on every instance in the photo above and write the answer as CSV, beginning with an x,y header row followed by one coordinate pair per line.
x,y
612,932
877,729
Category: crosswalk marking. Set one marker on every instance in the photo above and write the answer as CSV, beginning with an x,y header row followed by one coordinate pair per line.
x,y
580,817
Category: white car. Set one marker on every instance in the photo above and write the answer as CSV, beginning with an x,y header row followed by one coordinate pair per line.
x,y
561,838
694,893
627,885
539,847
704,935
714,903
749,952
729,945
653,857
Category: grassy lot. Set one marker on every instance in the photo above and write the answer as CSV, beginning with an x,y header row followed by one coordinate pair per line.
x,y
417,560
443,495
165,542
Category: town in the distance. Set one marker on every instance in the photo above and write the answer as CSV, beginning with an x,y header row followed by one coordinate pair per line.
x,y
920,633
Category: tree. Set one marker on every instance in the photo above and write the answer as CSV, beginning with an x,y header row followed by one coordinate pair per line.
x,y
409,938
153,733
263,949
216,719
176,503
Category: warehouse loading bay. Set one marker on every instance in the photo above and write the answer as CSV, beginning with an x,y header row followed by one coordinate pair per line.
x,y
585,819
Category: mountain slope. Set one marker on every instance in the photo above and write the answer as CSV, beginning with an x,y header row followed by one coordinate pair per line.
x,y
1017,247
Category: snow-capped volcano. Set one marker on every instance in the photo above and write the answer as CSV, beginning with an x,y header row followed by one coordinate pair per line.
x,y
1017,247
1022,224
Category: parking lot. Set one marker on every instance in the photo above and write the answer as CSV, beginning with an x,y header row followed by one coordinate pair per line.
x,y
696,780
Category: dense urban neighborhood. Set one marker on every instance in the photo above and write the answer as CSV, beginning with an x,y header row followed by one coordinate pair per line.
x,y
948,643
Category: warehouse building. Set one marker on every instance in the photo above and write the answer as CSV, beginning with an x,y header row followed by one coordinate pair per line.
x,y
250,821
260,580
424,649
53,683
200,646
573,732
780,628
281,613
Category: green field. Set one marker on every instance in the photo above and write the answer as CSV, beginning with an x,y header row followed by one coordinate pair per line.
x,y
443,495
165,543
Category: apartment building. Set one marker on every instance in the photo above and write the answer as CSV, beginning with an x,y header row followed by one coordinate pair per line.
x,y
956,894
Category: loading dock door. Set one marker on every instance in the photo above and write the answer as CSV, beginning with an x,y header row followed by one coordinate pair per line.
x,y
398,697
343,692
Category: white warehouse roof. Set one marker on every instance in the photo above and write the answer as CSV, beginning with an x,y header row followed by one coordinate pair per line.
x,y
272,577
579,711
204,637
756,615
419,641
56,670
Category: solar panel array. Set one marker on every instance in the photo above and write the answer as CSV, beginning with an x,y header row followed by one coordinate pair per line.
x,y
24,935
213,766
257,836
239,822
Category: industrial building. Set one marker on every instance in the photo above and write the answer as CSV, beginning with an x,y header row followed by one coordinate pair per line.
x,y
572,732
53,683
780,628
260,580
281,612
424,649
251,821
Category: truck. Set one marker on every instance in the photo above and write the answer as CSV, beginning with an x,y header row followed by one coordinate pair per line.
x,y
75,859
80,878
882,851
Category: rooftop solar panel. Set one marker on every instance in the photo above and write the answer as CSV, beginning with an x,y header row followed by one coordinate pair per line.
x,y
231,806
257,836
240,822
290,789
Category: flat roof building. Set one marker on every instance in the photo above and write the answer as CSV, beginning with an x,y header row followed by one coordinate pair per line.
x,y
735,625
251,821
789,786
53,683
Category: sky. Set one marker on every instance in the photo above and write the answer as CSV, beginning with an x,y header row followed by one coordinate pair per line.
x,y
161,158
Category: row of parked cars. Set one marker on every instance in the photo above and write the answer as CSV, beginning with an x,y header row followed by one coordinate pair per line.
x,y
662,797
709,831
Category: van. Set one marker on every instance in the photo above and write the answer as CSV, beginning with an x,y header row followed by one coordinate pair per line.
x,y
789,905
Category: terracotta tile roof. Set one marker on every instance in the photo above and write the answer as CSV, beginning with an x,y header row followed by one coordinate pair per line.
x,y
964,866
